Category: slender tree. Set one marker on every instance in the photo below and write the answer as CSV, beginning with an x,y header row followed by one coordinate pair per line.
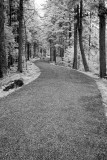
x,y
10,12
3,64
1,36
51,50
28,51
80,30
20,36
54,54
75,37
70,29
90,31
102,30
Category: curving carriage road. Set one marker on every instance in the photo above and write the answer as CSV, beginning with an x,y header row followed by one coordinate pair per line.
x,y
59,116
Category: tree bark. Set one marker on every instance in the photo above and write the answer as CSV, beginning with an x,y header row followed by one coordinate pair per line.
x,y
90,37
20,36
3,63
28,51
61,52
80,29
51,50
90,31
75,38
10,12
70,30
102,30
54,53
34,48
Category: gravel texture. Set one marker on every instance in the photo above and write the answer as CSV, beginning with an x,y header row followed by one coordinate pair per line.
x,y
58,116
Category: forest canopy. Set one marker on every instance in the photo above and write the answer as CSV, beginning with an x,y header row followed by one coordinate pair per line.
x,y
73,31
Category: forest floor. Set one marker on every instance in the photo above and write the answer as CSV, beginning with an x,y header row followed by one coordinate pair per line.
x,y
58,116
31,73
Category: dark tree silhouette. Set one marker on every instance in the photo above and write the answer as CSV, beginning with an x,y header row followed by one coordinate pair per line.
x,y
3,64
102,30
80,29
75,38
20,18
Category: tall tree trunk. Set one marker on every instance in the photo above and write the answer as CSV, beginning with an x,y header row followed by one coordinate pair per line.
x,y
70,29
25,43
10,23
75,38
80,29
28,51
10,12
34,46
3,64
20,36
102,30
70,34
54,53
61,52
51,50
90,37
90,30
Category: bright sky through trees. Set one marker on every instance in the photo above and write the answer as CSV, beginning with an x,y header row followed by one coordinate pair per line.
x,y
38,5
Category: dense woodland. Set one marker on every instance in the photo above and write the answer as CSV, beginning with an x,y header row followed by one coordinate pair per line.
x,y
74,30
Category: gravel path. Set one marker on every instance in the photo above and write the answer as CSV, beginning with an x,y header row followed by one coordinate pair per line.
x,y
59,116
